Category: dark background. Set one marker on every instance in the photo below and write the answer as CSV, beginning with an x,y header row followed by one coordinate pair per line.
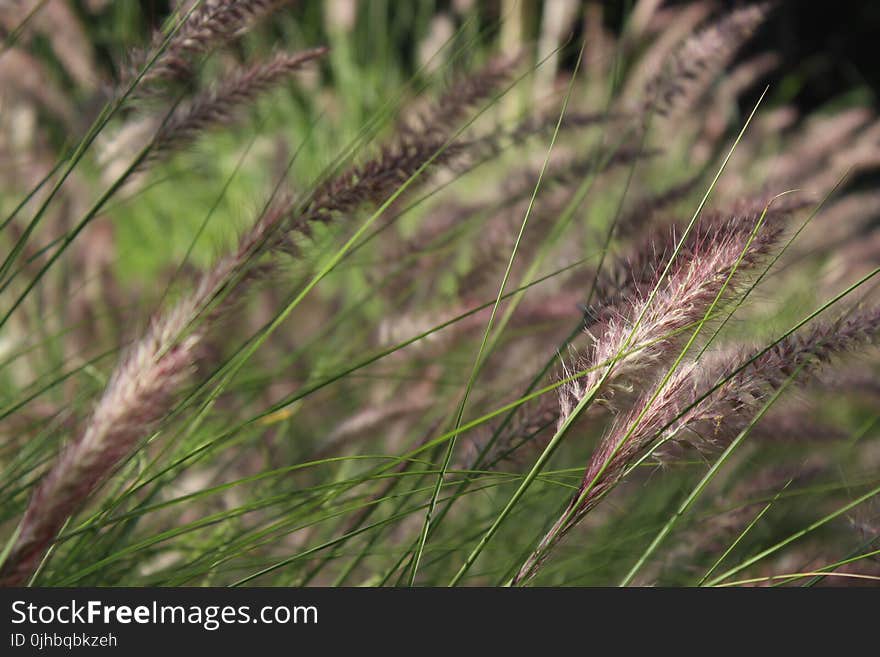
x,y
833,46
